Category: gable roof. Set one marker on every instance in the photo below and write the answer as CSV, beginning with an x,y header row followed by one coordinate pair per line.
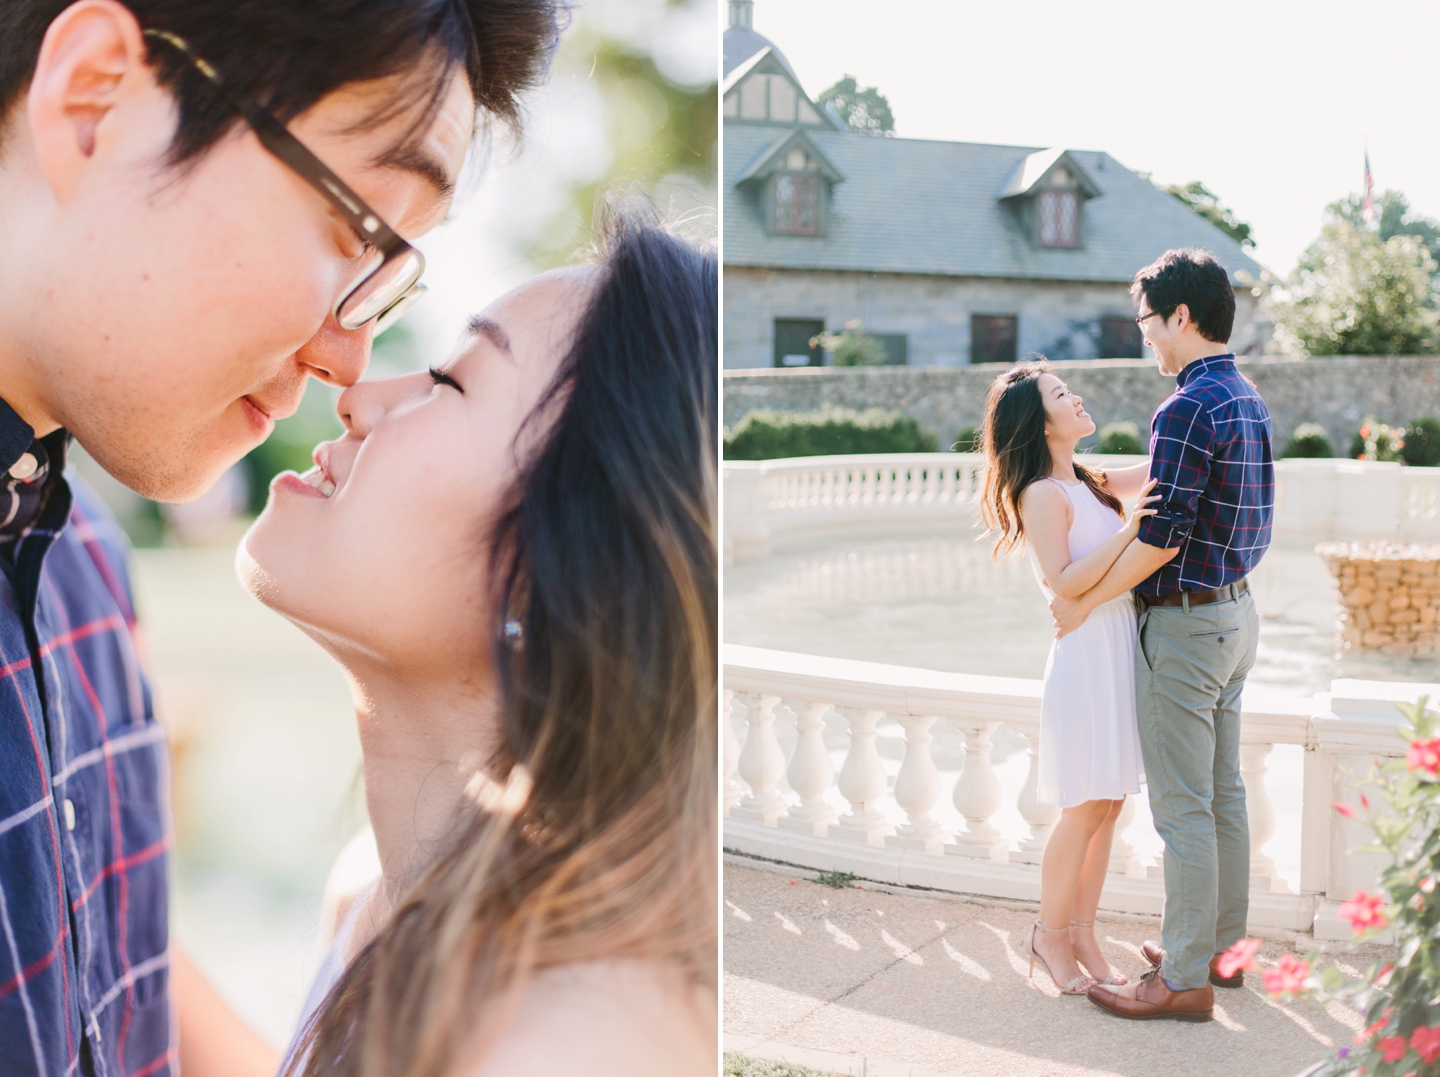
x,y
1030,171
741,43
766,161
927,207
768,61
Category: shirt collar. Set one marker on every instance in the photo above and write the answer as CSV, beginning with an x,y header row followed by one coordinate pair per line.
x,y
1210,362
16,436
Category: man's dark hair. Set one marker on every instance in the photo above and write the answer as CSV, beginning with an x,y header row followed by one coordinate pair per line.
x,y
288,54
1196,279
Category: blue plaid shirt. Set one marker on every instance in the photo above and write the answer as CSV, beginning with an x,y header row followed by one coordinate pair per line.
x,y
1210,449
84,837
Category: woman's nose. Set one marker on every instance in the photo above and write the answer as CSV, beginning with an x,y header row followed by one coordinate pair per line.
x,y
362,406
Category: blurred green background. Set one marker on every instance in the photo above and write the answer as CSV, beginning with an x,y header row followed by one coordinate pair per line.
x,y
267,765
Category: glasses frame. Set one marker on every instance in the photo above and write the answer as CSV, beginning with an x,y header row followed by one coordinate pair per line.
x,y
1141,321
368,225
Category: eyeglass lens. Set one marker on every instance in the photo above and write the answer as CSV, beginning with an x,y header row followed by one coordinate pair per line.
x,y
380,291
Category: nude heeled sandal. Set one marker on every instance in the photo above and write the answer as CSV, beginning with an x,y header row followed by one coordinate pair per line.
x,y
1077,986
1115,979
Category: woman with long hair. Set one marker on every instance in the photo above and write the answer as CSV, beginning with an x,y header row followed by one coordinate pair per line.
x,y
513,558
1070,518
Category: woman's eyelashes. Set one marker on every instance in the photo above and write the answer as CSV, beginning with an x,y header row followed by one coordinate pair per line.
x,y
439,377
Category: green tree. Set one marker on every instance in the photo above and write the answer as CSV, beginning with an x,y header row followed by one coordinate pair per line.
x,y
852,346
1393,215
865,111
1356,294
1206,203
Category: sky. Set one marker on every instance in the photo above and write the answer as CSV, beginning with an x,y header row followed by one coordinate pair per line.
x,y
1269,103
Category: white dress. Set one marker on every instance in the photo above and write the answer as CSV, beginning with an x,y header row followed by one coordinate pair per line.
x,y
1089,743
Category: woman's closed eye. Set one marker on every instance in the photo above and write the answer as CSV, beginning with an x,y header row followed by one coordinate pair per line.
x,y
439,377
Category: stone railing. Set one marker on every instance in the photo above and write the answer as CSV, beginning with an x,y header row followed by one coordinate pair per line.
x,y
1388,594
801,809
770,503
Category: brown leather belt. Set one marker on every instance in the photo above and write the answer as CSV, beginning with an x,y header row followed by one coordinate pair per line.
x,y
1197,598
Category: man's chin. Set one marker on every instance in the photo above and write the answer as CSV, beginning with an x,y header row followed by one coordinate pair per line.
x,y
175,486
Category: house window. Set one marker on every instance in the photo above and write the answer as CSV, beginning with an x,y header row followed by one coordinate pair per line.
x,y
796,205
897,347
1059,219
792,342
1120,338
992,338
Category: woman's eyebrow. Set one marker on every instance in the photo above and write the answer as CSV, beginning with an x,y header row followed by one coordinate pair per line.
x,y
482,325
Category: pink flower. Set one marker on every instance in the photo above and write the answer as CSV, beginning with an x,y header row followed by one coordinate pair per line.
x,y
1344,809
1427,886
1425,1042
1287,976
1392,1048
1425,755
1369,1030
1363,911
1239,957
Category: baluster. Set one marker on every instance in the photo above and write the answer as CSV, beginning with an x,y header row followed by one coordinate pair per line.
x,y
1040,817
730,745
917,788
1254,761
977,796
1124,860
811,774
762,763
862,782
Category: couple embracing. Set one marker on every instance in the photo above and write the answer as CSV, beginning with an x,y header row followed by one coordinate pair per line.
x,y
1156,632
511,555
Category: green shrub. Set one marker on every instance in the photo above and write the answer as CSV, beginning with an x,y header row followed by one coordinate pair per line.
x,y
1308,442
1422,443
764,434
738,1065
1121,439
968,441
852,346
1376,441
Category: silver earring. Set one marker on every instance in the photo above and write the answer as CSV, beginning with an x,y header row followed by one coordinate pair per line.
x,y
514,631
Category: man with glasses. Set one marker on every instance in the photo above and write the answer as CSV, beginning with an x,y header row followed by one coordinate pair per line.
x,y
201,207
1210,452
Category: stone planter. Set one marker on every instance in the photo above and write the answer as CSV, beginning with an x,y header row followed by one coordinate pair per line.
x,y
1389,595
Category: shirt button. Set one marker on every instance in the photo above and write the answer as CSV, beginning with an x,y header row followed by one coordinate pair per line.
x,y
23,468
69,814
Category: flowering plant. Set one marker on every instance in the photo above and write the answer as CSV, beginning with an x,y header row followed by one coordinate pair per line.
x,y
1399,997
1377,441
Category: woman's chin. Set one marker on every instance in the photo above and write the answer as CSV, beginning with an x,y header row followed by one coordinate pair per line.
x,y
253,576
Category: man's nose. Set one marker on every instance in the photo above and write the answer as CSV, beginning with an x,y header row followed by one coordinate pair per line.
x,y
337,356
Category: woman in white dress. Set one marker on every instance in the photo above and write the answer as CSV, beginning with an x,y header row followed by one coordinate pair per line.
x,y
1069,517
513,558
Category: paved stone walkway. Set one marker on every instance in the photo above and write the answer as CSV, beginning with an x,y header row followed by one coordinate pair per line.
x,y
912,984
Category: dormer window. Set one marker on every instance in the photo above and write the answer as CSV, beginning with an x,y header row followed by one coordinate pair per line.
x,y
1059,218
797,204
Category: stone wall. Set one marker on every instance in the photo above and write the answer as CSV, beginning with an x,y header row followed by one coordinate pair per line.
x,y
1055,318
1389,595
1336,392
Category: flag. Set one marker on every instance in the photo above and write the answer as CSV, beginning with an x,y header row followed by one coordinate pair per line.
x,y
1369,192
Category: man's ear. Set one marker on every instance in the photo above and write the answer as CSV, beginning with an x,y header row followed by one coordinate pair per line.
x,y
1183,313
92,59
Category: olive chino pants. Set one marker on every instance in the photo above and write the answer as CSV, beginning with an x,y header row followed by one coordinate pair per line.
x,y
1190,666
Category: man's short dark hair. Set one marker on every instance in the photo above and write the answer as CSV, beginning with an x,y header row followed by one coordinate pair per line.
x,y
288,54
1196,279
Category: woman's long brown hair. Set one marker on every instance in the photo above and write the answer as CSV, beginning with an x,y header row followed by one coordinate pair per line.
x,y
1012,437
606,559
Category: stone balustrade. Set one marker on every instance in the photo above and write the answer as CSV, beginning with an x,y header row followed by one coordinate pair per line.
x,y
800,809
770,503
1388,594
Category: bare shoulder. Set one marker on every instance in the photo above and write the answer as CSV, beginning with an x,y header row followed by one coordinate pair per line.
x,y
1044,497
606,1019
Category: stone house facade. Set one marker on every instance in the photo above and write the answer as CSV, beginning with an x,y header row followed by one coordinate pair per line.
x,y
952,253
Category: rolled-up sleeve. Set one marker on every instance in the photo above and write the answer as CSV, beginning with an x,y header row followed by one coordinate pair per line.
x,y
1180,455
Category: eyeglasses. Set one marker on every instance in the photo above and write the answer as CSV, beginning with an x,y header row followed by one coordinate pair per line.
x,y
1144,318
384,292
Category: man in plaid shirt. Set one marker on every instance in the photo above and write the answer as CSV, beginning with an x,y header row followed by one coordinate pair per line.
x,y
168,284
1210,454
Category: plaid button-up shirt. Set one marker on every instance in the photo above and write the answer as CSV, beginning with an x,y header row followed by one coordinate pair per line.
x,y
84,835
1210,449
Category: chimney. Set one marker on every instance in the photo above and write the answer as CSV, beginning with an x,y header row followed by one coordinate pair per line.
x,y
742,13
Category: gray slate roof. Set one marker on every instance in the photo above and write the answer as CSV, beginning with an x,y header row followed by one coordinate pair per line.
x,y
741,43
919,206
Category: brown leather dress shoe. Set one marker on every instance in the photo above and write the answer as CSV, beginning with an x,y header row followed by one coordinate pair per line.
x,y
1155,1001
1152,953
